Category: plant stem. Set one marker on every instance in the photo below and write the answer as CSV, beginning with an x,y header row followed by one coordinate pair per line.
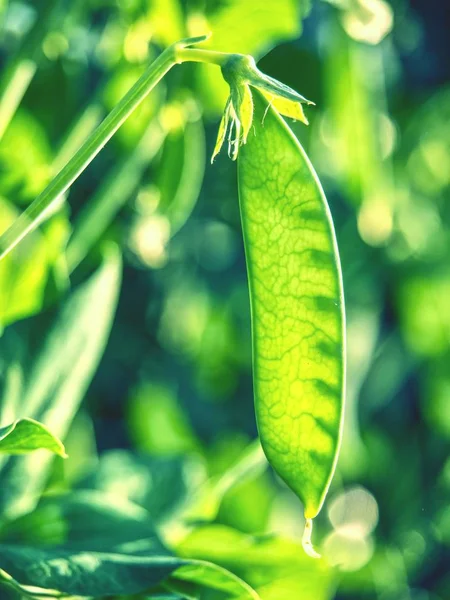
x,y
205,56
48,201
35,213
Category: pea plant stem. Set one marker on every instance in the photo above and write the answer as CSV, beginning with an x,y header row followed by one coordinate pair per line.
x,y
198,55
41,206
50,198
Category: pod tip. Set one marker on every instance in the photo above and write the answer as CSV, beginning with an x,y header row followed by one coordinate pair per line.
x,y
306,540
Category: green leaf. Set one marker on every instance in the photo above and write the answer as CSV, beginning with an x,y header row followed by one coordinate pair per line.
x,y
174,489
252,27
46,366
223,128
158,424
207,574
306,587
24,282
9,589
92,544
167,21
26,435
271,564
87,544
159,484
25,158
166,596
85,573
88,520
115,190
181,169
297,308
205,502
424,316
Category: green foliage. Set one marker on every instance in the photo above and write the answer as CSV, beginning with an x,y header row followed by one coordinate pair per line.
x,y
90,561
180,175
26,435
25,168
90,544
28,285
274,565
227,20
50,384
157,417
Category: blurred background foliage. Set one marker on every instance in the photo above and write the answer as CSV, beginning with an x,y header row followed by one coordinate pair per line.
x,y
166,420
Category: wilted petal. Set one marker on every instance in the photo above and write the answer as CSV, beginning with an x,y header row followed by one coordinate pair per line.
x,y
288,108
222,130
246,112
243,106
234,137
240,72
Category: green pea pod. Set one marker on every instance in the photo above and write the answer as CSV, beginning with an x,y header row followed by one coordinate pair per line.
x,y
297,309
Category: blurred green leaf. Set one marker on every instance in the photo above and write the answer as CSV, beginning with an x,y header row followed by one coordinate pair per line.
x,y
217,356
26,435
180,173
99,212
247,490
357,134
49,383
8,593
157,422
204,502
252,27
86,573
308,588
103,546
427,165
209,575
270,564
166,596
167,20
423,310
81,446
436,395
25,158
25,283
103,521
80,129
22,65
160,484
3,7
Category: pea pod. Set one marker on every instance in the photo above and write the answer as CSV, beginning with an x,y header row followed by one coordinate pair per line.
x,y
297,309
